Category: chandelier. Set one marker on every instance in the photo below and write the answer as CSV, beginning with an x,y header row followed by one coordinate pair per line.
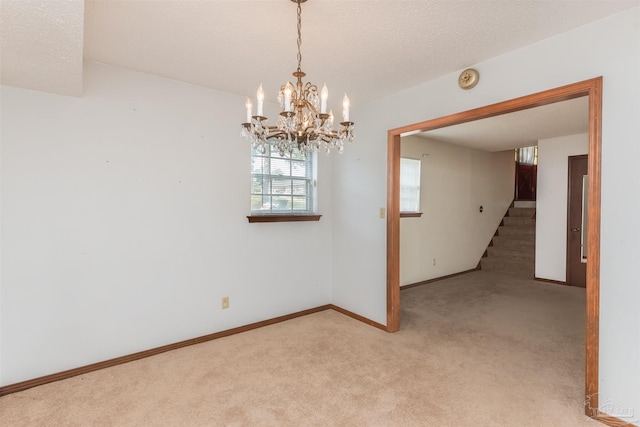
x,y
303,123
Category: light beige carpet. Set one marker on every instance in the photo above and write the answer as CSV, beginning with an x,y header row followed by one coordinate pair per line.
x,y
482,349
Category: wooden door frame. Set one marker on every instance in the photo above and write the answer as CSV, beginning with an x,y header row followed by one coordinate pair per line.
x,y
591,88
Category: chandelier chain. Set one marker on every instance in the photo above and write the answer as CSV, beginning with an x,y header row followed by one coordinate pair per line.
x,y
299,36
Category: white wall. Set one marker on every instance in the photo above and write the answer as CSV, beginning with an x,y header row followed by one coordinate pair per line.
x,y
455,182
124,224
551,209
608,48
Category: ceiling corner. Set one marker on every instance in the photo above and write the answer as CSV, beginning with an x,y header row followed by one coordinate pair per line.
x,y
41,45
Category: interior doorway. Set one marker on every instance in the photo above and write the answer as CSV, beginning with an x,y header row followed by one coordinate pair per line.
x,y
576,230
593,90
526,174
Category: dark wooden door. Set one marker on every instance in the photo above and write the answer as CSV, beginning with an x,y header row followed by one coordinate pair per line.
x,y
526,179
576,236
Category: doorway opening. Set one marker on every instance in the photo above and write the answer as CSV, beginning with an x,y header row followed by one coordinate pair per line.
x,y
593,90
526,174
576,220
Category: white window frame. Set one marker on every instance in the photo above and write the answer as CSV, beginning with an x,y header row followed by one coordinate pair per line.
x,y
278,185
410,177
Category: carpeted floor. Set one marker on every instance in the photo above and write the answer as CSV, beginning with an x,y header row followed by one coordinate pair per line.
x,y
482,349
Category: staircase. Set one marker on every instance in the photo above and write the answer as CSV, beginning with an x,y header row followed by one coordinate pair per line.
x,y
512,249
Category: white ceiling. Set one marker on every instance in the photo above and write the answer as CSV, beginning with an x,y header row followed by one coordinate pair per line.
x,y
520,129
367,48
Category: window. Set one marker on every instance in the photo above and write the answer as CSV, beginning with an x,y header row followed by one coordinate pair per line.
x,y
527,155
409,185
282,185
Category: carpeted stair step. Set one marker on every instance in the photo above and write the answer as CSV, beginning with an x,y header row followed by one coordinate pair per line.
x,y
525,212
518,220
518,267
514,241
512,253
517,230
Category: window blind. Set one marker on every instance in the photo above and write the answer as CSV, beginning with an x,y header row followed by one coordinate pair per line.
x,y
281,184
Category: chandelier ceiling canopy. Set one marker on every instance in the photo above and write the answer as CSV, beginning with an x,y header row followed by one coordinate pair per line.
x,y
303,123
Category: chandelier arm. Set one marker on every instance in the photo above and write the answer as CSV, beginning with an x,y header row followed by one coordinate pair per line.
x,y
331,135
326,139
274,132
310,88
311,107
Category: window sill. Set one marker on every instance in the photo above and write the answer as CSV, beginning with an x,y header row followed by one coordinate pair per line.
x,y
282,218
410,214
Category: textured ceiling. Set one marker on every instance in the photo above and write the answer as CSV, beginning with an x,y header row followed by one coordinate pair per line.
x,y
367,48
41,45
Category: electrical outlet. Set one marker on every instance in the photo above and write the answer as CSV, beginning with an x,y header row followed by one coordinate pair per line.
x,y
434,261
382,212
225,302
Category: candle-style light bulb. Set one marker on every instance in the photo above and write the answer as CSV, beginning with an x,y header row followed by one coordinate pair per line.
x,y
345,108
324,94
249,106
260,96
287,97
